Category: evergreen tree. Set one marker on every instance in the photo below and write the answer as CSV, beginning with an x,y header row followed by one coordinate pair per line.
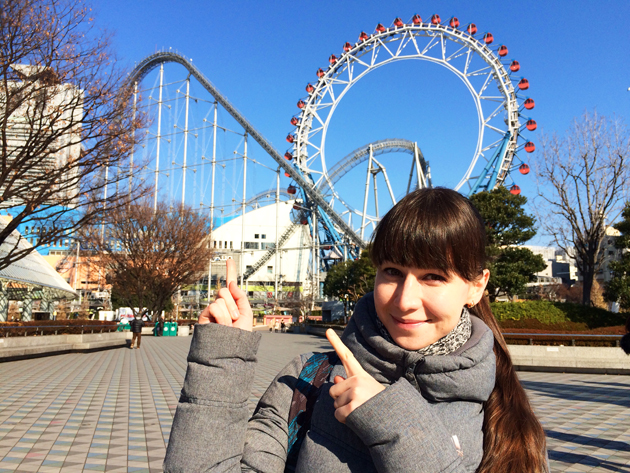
x,y
507,226
618,288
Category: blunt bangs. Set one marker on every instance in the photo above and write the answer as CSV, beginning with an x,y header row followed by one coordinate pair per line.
x,y
432,229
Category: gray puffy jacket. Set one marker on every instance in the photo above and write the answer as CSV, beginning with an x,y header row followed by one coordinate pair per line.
x,y
428,419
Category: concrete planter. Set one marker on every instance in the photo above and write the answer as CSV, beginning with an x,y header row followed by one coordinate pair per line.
x,y
183,331
12,348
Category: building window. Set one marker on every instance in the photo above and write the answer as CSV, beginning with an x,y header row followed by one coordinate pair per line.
x,y
265,246
215,244
220,245
231,245
263,236
256,235
225,246
248,267
251,245
269,269
26,230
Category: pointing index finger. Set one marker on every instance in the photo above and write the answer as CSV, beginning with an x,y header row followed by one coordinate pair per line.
x,y
350,363
230,266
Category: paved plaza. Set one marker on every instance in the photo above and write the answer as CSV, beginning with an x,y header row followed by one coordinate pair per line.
x,y
112,410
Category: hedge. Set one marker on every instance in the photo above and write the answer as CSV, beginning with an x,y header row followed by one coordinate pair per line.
x,y
551,313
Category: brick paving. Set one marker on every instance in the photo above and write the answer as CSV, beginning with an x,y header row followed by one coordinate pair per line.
x,y
112,410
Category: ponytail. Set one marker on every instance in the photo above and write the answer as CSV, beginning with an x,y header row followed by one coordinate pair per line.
x,y
513,439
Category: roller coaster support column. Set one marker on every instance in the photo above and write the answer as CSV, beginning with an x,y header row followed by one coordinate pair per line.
x,y
214,161
492,166
135,105
243,210
277,229
367,190
158,139
185,141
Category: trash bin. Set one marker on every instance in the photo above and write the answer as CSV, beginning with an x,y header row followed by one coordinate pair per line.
x,y
173,329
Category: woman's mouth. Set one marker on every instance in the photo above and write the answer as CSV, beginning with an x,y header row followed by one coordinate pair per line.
x,y
408,324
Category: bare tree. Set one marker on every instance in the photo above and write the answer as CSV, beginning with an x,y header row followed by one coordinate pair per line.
x,y
147,255
66,121
582,187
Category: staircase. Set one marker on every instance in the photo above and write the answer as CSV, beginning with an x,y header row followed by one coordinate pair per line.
x,y
271,251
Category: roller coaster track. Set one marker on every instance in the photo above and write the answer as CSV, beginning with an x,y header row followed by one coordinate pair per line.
x,y
392,145
151,62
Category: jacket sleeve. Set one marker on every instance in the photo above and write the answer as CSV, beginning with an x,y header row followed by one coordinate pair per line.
x,y
210,430
419,443
209,427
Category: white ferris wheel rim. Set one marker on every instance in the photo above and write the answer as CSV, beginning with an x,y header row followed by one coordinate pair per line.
x,y
404,35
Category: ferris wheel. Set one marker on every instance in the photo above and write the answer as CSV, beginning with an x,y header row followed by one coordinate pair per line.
x,y
472,56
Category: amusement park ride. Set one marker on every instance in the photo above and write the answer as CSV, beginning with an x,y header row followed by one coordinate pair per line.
x,y
474,57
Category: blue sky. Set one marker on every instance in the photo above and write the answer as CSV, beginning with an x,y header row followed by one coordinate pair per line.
x,y
261,55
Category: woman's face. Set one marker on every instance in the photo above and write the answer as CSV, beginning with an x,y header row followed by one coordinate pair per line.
x,y
420,306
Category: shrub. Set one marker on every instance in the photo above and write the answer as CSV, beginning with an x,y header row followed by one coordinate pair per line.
x,y
552,313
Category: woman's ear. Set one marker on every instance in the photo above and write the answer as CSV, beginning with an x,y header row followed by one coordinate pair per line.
x,y
478,287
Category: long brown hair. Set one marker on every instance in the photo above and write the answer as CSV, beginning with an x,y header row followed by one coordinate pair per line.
x,y
440,229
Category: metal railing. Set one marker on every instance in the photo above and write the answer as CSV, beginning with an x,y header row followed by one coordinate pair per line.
x,y
573,337
38,330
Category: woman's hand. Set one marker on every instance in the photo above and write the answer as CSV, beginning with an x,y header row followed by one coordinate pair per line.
x,y
231,306
358,388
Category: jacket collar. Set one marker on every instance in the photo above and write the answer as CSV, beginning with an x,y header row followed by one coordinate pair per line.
x,y
466,374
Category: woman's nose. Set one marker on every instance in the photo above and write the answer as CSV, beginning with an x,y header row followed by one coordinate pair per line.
x,y
409,293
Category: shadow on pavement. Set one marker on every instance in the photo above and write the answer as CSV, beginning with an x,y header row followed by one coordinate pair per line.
x,y
590,441
586,460
605,395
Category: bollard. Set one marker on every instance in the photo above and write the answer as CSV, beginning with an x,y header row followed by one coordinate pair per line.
x,y
573,342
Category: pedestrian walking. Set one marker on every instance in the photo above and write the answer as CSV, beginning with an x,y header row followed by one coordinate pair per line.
x,y
136,329
161,326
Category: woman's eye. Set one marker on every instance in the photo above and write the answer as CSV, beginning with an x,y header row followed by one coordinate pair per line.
x,y
434,277
392,272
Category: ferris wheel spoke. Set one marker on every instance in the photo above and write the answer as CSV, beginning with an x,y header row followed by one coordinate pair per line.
x,y
495,112
356,59
480,72
492,99
384,45
486,83
492,145
457,54
432,43
468,61
494,128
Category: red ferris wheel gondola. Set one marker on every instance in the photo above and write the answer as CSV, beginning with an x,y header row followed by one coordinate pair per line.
x,y
380,28
290,138
332,59
320,73
416,19
529,104
530,147
454,22
291,189
398,23
288,156
472,29
503,50
488,38
347,47
523,169
436,20
515,66
523,84
300,104
294,121
515,190
363,36
310,88
531,125
286,174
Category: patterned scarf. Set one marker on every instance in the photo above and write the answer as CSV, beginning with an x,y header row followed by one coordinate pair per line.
x,y
445,345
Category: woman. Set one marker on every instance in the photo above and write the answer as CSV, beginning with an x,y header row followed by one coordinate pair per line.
x,y
414,386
